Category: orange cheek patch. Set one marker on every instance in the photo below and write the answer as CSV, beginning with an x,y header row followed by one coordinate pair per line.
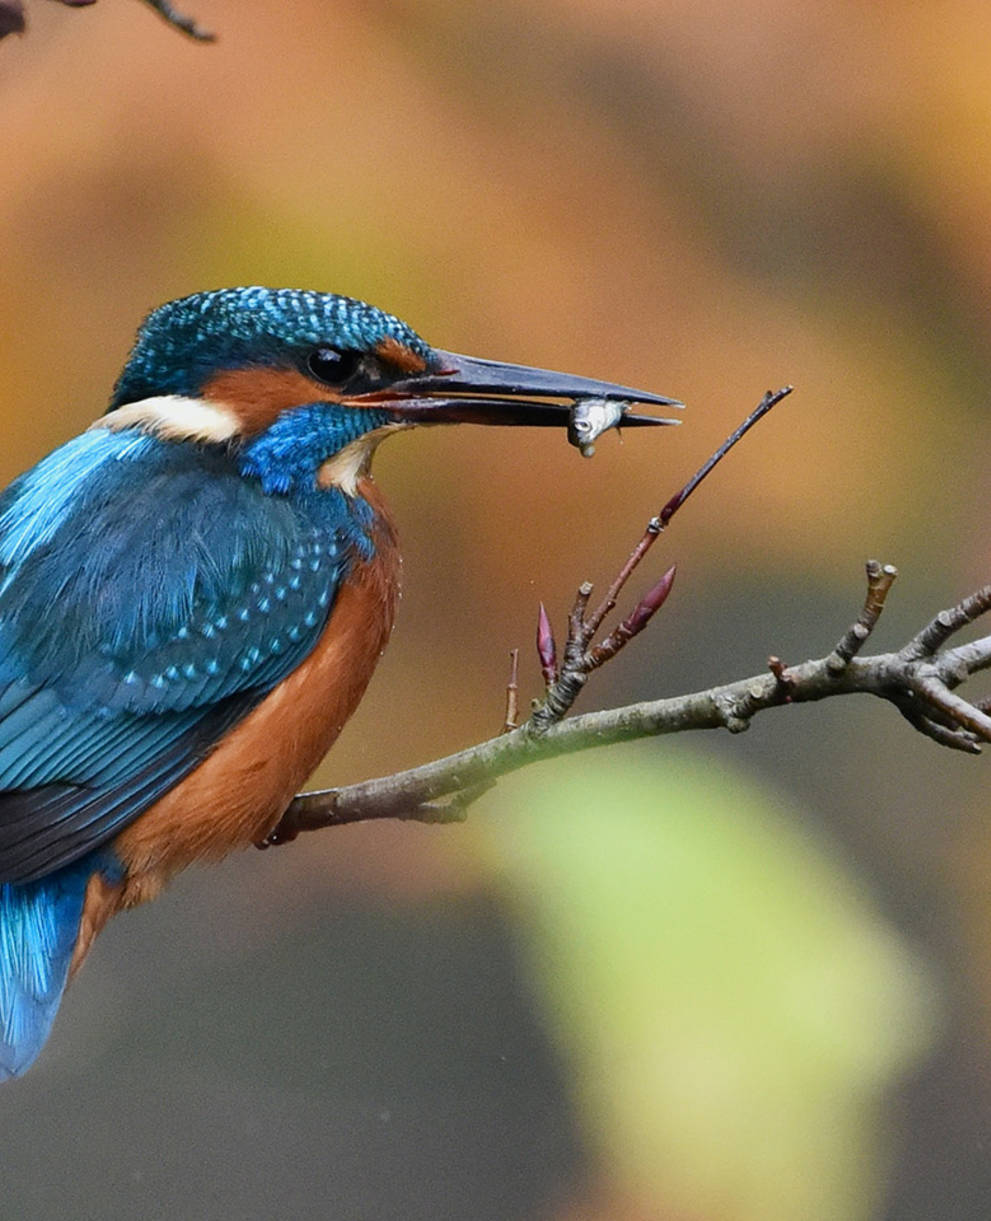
x,y
258,396
399,356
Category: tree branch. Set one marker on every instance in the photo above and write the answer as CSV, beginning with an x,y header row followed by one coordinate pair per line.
x,y
918,680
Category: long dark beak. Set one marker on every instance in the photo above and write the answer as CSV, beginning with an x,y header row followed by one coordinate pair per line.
x,y
470,391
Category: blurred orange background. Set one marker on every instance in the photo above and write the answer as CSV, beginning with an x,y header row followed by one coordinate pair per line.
x,y
706,980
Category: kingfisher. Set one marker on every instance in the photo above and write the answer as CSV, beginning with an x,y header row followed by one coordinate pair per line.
x,y
194,593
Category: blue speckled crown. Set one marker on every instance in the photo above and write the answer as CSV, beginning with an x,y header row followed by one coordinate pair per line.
x,y
183,342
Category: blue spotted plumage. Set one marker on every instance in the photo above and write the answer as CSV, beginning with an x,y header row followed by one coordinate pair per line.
x,y
146,660
193,595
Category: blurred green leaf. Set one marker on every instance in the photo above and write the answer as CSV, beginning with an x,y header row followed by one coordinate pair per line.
x,y
733,1004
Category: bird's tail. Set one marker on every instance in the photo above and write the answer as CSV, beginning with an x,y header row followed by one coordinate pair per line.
x,y
39,924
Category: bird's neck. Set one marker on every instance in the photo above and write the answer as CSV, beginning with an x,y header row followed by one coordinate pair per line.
x,y
314,446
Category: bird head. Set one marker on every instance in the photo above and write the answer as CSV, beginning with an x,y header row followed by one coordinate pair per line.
x,y
306,384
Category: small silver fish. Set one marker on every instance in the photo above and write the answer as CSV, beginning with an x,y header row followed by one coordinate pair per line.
x,y
590,418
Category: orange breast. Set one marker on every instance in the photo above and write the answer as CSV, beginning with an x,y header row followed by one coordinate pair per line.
x,y
236,796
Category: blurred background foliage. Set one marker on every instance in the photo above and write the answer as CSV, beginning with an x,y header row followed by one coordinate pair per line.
x,y
693,981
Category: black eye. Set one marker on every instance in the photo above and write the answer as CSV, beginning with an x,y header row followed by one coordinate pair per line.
x,y
333,367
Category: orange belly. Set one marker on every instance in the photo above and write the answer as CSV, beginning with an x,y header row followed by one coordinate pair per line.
x,y
239,792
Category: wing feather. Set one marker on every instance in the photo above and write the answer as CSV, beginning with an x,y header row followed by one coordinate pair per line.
x,y
140,618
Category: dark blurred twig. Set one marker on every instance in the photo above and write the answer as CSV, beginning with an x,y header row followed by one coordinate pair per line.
x,y
180,21
12,17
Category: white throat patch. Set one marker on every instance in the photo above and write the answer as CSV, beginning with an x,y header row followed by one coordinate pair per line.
x,y
347,466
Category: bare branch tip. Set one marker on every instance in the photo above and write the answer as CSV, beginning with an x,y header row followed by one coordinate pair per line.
x,y
958,712
179,21
511,720
771,397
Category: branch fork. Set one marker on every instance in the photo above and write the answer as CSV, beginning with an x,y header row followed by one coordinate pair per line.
x,y
581,655
918,679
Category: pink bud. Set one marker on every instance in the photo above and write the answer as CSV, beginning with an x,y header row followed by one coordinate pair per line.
x,y
650,603
546,648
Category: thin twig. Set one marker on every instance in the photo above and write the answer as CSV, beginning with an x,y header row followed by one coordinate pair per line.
x,y
12,17
658,524
580,656
880,578
635,621
647,540
942,734
512,718
955,709
939,629
957,665
179,21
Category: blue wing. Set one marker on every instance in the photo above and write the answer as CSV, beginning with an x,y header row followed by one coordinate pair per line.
x,y
149,597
